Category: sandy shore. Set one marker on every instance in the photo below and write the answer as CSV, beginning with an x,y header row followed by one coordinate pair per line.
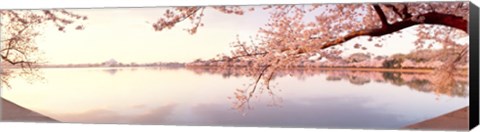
x,y
456,120
12,112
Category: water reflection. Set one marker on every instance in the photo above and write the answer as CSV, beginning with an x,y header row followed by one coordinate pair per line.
x,y
322,112
438,82
198,96
420,81
158,115
111,71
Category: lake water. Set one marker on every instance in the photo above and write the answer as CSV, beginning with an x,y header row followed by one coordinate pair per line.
x,y
319,99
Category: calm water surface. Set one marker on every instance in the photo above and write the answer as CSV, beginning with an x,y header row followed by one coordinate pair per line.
x,y
327,99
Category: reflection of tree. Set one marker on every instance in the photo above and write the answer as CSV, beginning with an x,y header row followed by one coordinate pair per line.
x,y
111,71
333,78
394,78
419,84
242,98
358,80
453,83
445,82
441,82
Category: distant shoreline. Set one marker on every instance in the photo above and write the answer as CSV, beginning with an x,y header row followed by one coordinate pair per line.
x,y
371,69
98,67
376,69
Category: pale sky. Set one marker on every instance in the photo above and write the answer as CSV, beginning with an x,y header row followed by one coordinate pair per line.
x,y
126,35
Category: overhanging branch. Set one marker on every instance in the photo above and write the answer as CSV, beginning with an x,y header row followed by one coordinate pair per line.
x,y
428,18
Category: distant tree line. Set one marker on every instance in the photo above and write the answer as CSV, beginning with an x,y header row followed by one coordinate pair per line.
x,y
423,58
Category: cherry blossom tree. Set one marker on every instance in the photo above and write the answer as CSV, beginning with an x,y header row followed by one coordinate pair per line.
x,y
18,31
296,33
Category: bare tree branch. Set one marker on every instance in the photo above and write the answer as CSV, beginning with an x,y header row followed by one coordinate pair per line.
x,y
14,62
381,15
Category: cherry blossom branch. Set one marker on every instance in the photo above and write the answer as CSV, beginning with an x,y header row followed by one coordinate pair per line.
x,y
171,19
19,31
428,18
